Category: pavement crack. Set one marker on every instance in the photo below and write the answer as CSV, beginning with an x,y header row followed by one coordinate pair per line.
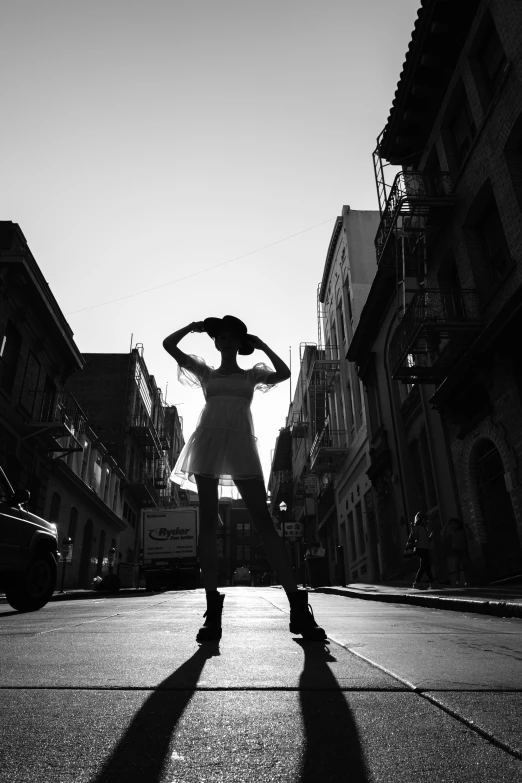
x,y
484,733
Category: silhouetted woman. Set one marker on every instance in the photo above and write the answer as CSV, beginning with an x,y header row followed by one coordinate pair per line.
x,y
223,450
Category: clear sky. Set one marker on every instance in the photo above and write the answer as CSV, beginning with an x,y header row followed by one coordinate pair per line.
x,y
146,141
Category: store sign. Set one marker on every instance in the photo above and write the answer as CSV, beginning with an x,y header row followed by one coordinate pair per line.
x,y
310,485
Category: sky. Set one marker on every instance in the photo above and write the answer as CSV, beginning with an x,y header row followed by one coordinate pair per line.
x,y
170,160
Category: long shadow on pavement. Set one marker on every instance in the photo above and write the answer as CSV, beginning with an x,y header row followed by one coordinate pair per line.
x,y
142,752
332,747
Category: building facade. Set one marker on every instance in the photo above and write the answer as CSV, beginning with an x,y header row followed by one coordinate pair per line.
x,y
46,443
37,356
437,343
321,455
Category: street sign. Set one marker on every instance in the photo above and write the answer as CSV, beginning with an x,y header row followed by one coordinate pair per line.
x,y
294,529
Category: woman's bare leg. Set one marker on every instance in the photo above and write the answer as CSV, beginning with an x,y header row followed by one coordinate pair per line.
x,y
254,495
208,520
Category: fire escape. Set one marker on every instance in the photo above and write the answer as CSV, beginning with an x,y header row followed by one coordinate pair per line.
x,y
328,445
58,421
149,428
435,325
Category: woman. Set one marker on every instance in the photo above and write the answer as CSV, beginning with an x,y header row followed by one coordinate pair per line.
x,y
420,537
223,450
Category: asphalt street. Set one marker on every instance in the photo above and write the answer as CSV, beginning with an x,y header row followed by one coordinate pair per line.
x,y
117,689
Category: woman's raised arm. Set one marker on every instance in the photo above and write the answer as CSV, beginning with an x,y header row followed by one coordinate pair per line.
x,y
282,371
170,343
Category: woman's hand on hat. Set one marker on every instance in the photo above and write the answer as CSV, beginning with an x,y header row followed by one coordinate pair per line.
x,y
255,342
198,326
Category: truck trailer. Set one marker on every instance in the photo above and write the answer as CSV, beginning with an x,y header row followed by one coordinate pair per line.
x,y
169,546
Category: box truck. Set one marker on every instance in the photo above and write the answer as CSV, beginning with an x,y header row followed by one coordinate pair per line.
x,y
169,541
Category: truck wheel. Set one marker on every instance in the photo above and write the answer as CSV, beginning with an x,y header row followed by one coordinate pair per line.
x,y
33,588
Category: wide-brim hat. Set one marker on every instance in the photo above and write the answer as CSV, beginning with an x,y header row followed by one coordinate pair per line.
x,y
229,323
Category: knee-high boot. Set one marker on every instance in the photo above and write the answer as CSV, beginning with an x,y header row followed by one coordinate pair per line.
x,y
302,617
211,628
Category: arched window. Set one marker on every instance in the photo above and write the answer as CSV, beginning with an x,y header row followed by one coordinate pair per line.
x,y
73,523
101,550
54,512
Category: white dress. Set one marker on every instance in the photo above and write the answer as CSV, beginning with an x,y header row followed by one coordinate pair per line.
x,y
223,445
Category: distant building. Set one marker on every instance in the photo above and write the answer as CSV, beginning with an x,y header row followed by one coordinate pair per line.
x,y
437,344
141,433
321,455
238,543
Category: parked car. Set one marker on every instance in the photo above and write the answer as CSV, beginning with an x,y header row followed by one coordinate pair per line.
x,y
28,551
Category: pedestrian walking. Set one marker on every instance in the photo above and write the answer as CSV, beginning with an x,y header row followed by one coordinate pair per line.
x,y
420,538
223,451
458,557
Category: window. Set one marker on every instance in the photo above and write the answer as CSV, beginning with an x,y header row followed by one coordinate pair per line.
x,y
107,485
357,402
115,494
351,533
449,282
360,528
374,406
243,529
494,243
341,321
10,346
348,298
30,382
349,408
85,461
513,153
243,552
462,129
491,56
73,523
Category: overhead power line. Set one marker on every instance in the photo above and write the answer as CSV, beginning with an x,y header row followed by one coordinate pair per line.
x,y
201,271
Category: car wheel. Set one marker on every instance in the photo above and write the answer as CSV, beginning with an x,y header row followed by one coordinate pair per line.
x,y
33,588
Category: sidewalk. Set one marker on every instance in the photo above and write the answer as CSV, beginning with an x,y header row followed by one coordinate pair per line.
x,y
500,599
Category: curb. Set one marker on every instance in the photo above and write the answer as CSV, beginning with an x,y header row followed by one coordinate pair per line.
x,y
494,608
87,594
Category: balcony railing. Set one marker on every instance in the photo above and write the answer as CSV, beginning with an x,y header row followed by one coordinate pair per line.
x,y
414,194
328,451
142,488
145,432
436,329
57,415
323,366
299,425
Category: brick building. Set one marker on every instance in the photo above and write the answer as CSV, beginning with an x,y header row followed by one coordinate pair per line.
x,y
442,366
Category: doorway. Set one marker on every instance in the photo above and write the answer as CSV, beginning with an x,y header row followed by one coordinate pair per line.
x,y
503,551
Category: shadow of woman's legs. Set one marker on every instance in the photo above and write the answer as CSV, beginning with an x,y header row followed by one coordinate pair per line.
x,y
140,755
332,746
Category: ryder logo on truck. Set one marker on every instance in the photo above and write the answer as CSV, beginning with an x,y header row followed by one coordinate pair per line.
x,y
166,534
